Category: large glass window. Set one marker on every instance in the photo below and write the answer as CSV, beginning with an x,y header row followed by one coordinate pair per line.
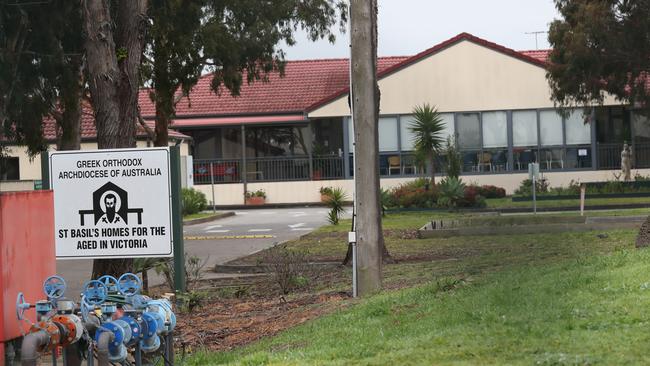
x,y
577,131
469,134
388,134
524,128
495,129
578,157
641,127
550,128
406,136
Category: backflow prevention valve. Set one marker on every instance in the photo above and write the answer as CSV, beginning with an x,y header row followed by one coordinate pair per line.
x,y
115,320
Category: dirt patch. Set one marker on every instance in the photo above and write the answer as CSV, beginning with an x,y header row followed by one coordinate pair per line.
x,y
224,324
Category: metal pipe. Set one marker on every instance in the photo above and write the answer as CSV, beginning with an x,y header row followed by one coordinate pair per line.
x,y
29,351
102,348
91,324
72,355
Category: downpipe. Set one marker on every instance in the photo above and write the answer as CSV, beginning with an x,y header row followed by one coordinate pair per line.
x,y
32,344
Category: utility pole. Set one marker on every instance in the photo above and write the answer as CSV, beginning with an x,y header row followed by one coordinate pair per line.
x,y
365,101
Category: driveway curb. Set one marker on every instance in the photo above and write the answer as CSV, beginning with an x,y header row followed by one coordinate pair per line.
x,y
203,220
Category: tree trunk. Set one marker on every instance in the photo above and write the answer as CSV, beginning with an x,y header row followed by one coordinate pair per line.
x,y
431,167
129,38
70,121
104,74
114,84
363,16
162,125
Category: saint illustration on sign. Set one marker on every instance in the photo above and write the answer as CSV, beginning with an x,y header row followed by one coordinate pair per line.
x,y
110,206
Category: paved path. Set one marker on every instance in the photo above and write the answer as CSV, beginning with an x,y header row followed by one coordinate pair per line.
x,y
223,240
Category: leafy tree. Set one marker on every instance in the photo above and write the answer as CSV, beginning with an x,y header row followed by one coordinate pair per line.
x,y
427,129
235,39
600,46
41,64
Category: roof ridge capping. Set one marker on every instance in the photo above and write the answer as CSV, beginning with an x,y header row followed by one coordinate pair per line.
x,y
433,50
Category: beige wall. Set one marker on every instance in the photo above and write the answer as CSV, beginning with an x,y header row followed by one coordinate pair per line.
x,y
308,191
463,77
30,169
16,185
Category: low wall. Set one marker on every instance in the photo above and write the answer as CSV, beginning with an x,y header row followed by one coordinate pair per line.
x,y
308,191
16,185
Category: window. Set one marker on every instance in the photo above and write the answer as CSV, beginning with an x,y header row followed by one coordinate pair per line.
x,y
577,131
388,134
550,128
406,136
469,134
524,128
9,168
495,129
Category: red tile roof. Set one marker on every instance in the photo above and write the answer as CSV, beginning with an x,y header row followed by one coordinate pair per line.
x,y
304,83
541,55
88,131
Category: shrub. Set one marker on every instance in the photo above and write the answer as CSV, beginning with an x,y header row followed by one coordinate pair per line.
x,y
415,194
335,201
290,268
258,193
325,191
386,200
472,197
193,201
453,162
525,188
489,191
452,192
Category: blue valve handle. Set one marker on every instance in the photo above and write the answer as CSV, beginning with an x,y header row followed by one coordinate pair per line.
x,y
109,281
95,292
21,306
54,287
85,309
129,284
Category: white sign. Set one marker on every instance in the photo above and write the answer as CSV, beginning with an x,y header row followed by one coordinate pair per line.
x,y
582,152
533,170
112,203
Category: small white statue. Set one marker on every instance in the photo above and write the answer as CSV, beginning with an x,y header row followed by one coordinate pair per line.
x,y
626,163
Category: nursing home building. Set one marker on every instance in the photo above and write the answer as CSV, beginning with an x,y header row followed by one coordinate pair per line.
x,y
292,135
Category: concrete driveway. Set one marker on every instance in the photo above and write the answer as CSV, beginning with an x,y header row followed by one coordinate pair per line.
x,y
222,240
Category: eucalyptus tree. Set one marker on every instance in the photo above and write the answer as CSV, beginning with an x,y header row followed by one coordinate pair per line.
x,y
41,72
236,40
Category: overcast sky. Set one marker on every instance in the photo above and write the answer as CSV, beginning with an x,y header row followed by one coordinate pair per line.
x,y
407,27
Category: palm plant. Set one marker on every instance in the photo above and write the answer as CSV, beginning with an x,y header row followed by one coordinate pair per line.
x,y
335,202
427,129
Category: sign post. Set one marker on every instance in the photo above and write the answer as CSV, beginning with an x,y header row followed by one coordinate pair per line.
x,y
118,203
533,174
177,218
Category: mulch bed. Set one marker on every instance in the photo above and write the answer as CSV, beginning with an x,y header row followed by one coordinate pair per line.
x,y
223,324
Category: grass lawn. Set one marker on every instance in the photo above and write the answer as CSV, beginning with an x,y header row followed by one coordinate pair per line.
x,y
547,299
590,309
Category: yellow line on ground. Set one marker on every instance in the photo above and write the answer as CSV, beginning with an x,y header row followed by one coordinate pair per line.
x,y
219,237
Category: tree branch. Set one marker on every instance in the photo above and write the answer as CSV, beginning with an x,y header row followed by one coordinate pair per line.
x,y
150,133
